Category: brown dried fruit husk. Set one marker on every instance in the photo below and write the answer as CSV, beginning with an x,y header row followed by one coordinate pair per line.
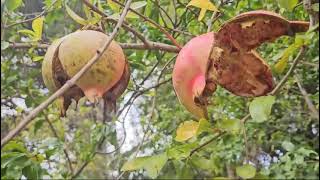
x,y
235,65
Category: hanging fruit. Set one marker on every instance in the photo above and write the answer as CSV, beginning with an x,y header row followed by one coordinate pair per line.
x,y
107,79
228,58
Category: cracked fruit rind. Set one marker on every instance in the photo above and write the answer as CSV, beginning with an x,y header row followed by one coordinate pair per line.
x,y
189,73
228,58
76,50
106,79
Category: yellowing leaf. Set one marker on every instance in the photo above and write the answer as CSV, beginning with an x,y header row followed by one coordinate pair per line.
x,y
75,16
283,62
114,6
246,171
37,25
187,130
27,32
204,5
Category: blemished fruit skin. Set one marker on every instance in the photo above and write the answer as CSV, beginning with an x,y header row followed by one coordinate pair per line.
x,y
189,73
76,50
108,77
228,58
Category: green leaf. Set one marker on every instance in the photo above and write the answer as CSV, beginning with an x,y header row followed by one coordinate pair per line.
x,y
114,6
152,164
181,151
201,162
37,58
315,7
37,26
187,130
138,5
4,45
288,4
283,62
260,108
13,4
28,32
288,146
7,158
75,16
230,125
246,171
32,172
204,126
14,146
37,125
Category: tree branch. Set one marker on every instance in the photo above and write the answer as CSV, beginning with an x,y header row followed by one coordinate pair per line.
x,y
312,108
138,46
153,23
206,143
64,149
68,84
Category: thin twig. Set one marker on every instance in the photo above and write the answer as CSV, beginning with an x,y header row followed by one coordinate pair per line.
x,y
124,25
151,113
153,23
312,108
283,80
290,71
64,149
68,84
206,143
31,19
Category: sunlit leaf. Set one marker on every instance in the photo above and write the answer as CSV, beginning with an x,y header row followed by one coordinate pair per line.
x,y
138,5
230,125
13,4
37,26
27,32
187,130
114,6
152,164
204,5
260,108
283,62
288,146
75,16
181,151
288,4
4,45
246,171
204,126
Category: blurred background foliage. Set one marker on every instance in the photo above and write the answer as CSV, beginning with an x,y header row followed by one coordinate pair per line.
x,y
284,146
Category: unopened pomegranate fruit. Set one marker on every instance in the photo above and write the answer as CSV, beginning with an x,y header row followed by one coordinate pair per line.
x,y
227,58
108,78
